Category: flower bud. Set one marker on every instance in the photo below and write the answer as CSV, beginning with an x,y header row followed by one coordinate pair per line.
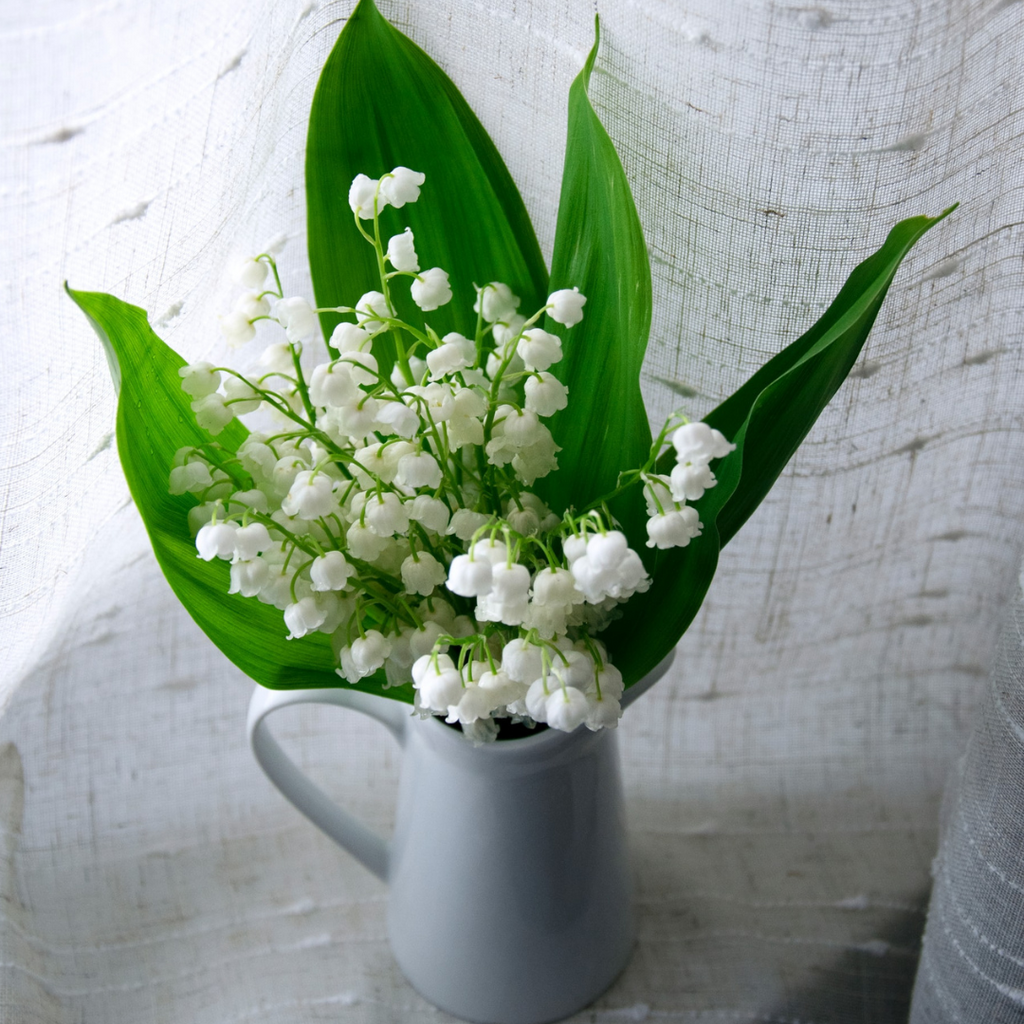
x,y
402,253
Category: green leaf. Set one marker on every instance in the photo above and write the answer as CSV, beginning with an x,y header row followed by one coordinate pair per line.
x,y
154,420
381,102
599,248
766,419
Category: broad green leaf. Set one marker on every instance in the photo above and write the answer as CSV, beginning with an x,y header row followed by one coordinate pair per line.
x,y
766,419
599,248
154,420
381,102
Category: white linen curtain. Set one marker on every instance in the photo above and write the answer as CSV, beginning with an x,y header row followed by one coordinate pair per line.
x,y
784,781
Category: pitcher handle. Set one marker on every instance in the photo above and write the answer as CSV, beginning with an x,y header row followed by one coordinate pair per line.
x,y
345,829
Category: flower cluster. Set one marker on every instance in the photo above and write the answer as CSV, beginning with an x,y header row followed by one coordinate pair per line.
x,y
391,506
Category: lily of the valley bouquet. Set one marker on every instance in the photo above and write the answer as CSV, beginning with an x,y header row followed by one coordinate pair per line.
x,y
450,493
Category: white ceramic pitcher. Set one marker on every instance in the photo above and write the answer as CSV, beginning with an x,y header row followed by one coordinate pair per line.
x,y
510,886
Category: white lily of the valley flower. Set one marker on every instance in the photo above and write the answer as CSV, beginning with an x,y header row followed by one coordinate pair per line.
x,y
539,349
545,394
216,540
697,442
192,477
418,469
241,396
566,306
422,572
333,384
455,353
394,417
348,337
211,412
498,302
402,186
360,196
236,328
431,289
690,480
331,571
566,709
251,541
469,577
372,310
250,273
673,529
297,318
431,512
304,616
199,379
310,496
402,252
249,578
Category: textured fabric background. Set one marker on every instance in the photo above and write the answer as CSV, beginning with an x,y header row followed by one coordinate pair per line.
x,y
972,963
784,782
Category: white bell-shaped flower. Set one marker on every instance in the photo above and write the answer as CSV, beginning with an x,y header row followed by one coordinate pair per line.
x,y
566,709
431,512
698,442
249,577
422,572
455,353
304,616
193,477
277,359
470,577
464,523
360,196
241,396
545,394
372,311
362,366
402,252
236,328
297,318
431,289
330,571
673,529
199,379
347,337
310,496
418,469
536,698
690,480
249,273
366,655
566,306
333,384
251,541
497,302
251,305
363,543
396,418
522,661
438,681
539,349
573,548
491,549
386,515
402,186
211,412
474,704
216,540
602,712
